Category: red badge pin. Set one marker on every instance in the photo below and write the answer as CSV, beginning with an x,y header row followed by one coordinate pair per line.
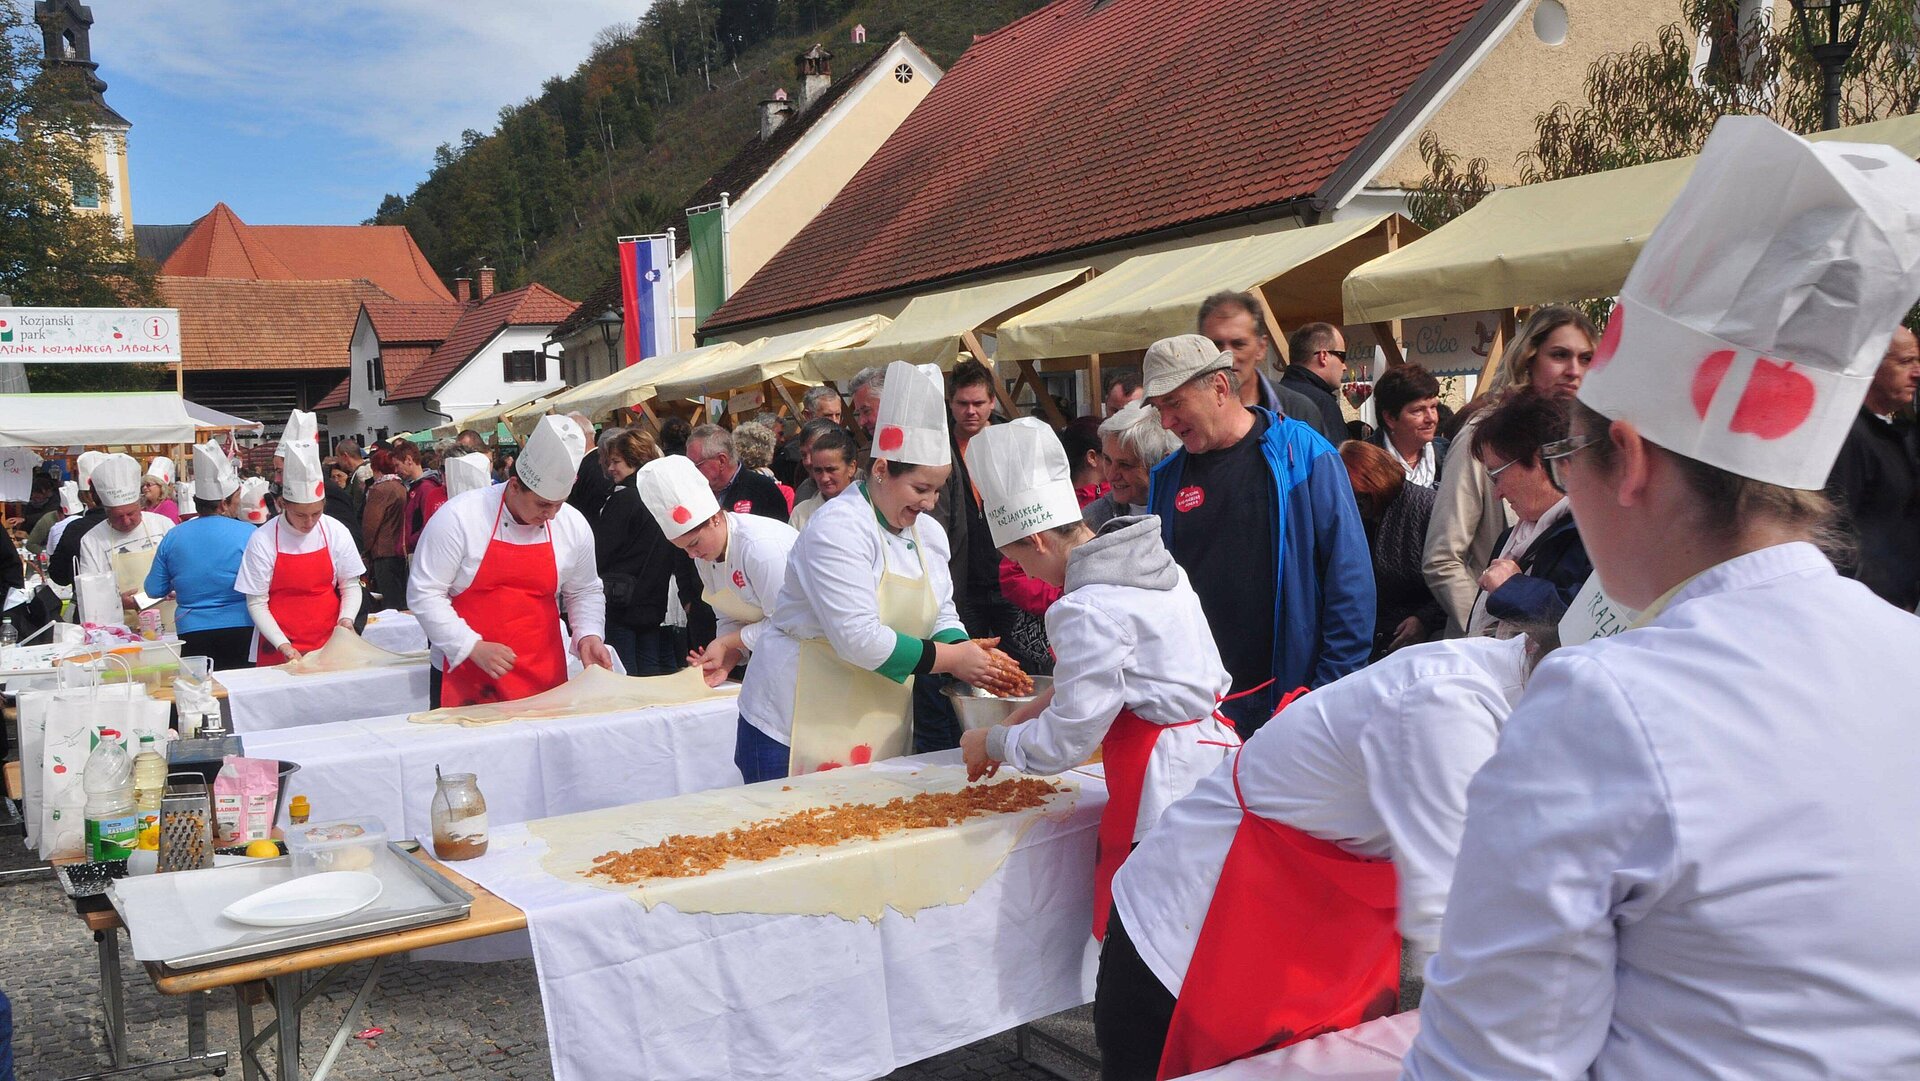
x,y
1187,499
891,437
680,515
744,506
739,580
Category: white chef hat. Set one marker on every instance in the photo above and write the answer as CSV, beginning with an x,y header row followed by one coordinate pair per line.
x,y
116,481
675,493
183,496
1024,481
70,498
83,467
465,472
550,461
911,423
253,499
161,469
1760,307
214,477
302,478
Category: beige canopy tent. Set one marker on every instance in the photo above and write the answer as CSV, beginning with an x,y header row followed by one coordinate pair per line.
x,y
938,327
487,421
1561,240
770,363
628,388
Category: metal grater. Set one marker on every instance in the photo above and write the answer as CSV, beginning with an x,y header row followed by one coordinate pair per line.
x,y
186,824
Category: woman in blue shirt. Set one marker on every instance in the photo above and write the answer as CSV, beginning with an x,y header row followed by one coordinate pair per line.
x,y
199,566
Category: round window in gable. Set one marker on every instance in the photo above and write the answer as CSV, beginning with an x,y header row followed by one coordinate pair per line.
x,y
1550,22
903,73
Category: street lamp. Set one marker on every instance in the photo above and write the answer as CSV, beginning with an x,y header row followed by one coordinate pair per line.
x,y
1830,30
611,325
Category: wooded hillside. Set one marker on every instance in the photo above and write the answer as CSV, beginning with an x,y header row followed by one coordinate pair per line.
x,y
616,147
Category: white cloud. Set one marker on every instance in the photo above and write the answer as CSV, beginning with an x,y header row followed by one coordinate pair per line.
x,y
403,75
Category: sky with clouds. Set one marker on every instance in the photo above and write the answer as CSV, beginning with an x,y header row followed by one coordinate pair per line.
x,y
309,112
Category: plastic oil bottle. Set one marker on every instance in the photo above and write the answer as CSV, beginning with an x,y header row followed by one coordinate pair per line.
x,y
110,816
149,783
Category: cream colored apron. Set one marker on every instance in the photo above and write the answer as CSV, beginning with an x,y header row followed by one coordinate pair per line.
x,y
844,715
130,576
732,605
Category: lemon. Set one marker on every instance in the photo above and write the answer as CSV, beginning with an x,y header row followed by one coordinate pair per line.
x,y
263,850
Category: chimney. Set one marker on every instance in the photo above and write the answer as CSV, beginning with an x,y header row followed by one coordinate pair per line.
x,y
774,112
463,289
486,283
815,68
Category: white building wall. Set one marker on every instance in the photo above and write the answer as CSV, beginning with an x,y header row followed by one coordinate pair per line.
x,y
367,413
482,383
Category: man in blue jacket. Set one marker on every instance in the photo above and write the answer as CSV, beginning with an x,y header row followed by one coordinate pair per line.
x,y
1258,510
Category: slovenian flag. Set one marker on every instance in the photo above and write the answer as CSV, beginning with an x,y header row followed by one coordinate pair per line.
x,y
646,289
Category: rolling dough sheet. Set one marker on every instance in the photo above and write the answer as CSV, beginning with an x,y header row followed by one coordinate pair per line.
x,y
594,690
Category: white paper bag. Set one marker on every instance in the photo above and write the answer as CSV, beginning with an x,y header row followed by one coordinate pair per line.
x,y
72,717
97,599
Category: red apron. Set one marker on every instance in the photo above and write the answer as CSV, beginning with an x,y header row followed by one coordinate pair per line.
x,y
301,598
1124,754
513,595
1299,940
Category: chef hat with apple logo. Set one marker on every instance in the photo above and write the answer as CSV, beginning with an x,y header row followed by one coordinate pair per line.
x,y
675,493
910,426
1759,309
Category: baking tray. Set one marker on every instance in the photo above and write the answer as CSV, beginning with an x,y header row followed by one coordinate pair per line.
x,y
453,904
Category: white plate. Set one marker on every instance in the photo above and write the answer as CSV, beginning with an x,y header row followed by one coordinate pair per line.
x,y
313,899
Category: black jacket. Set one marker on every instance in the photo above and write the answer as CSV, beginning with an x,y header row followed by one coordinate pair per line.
x,y
627,541
1440,445
1398,541
339,506
1552,570
1316,390
60,564
1876,482
1287,402
754,493
591,485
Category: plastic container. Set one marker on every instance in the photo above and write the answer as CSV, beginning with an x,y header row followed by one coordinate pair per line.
x,y
112,824
345,845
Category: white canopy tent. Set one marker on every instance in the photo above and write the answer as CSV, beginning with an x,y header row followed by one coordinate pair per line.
x,y
208,421
68,420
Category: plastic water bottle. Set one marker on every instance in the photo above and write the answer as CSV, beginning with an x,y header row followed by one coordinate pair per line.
x,y
9,638
112,821
149,782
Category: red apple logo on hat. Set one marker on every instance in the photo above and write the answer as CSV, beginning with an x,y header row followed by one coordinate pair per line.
x,y
1610,339
319,488
1777,400
891,437
680,515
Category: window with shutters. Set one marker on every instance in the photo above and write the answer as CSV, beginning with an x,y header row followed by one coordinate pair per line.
x,y
376,373
524,366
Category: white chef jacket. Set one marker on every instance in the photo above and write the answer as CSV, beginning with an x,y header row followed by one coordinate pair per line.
x,y
1376,762
256,563
103,542
1148,650
448,555
1693,854
833,575
755,568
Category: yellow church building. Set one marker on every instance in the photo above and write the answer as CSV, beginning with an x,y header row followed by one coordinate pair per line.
x,y
64,24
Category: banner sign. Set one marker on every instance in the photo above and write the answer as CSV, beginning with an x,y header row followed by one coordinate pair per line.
x,y
1451,344
707,235
90,335
646,296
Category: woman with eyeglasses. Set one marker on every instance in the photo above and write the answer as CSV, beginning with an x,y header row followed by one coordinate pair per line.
x,y
1539,562
1551,354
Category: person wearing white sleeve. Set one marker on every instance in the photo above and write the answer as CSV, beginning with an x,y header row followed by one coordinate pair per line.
x,y
741,558
866,606
487,570
1692,854
1135,670
124,543
301,571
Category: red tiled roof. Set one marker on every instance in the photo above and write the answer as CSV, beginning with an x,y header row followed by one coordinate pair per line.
x,y
220,245
337,397
403,322
235,323
1083,123
529,305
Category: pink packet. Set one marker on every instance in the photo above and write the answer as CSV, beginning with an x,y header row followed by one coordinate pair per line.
x,y
244,797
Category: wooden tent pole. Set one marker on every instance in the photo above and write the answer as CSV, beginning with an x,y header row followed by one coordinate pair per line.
x,y
1093,383
971,340
1031,377
1501,338
1388,336
1275,332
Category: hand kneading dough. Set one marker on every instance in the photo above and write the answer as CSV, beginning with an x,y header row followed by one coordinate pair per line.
x,y
594,691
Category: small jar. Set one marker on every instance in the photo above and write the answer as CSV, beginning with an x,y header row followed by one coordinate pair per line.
x,y
459,818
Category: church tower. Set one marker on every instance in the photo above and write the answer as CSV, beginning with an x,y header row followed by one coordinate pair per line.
x,y
64,25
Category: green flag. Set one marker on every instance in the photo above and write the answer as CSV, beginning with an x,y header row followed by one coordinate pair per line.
x,y
707,230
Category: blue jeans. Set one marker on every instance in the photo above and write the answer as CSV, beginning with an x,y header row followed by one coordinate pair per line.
x,y
759,756
935,726
648,651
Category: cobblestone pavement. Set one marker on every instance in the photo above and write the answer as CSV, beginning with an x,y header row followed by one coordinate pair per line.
x,y
441,1019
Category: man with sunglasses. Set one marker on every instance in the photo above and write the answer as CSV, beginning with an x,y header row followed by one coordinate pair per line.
x,y
1317,359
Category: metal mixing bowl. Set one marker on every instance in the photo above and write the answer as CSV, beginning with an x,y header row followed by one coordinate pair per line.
x,y
978,709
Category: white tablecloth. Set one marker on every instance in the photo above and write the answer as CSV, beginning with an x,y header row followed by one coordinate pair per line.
x,y
671,995
265,699
383,766
1369,1052
395,632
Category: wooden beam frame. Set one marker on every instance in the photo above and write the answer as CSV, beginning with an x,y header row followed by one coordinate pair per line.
x,y
1275,332
1031,377
971,339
